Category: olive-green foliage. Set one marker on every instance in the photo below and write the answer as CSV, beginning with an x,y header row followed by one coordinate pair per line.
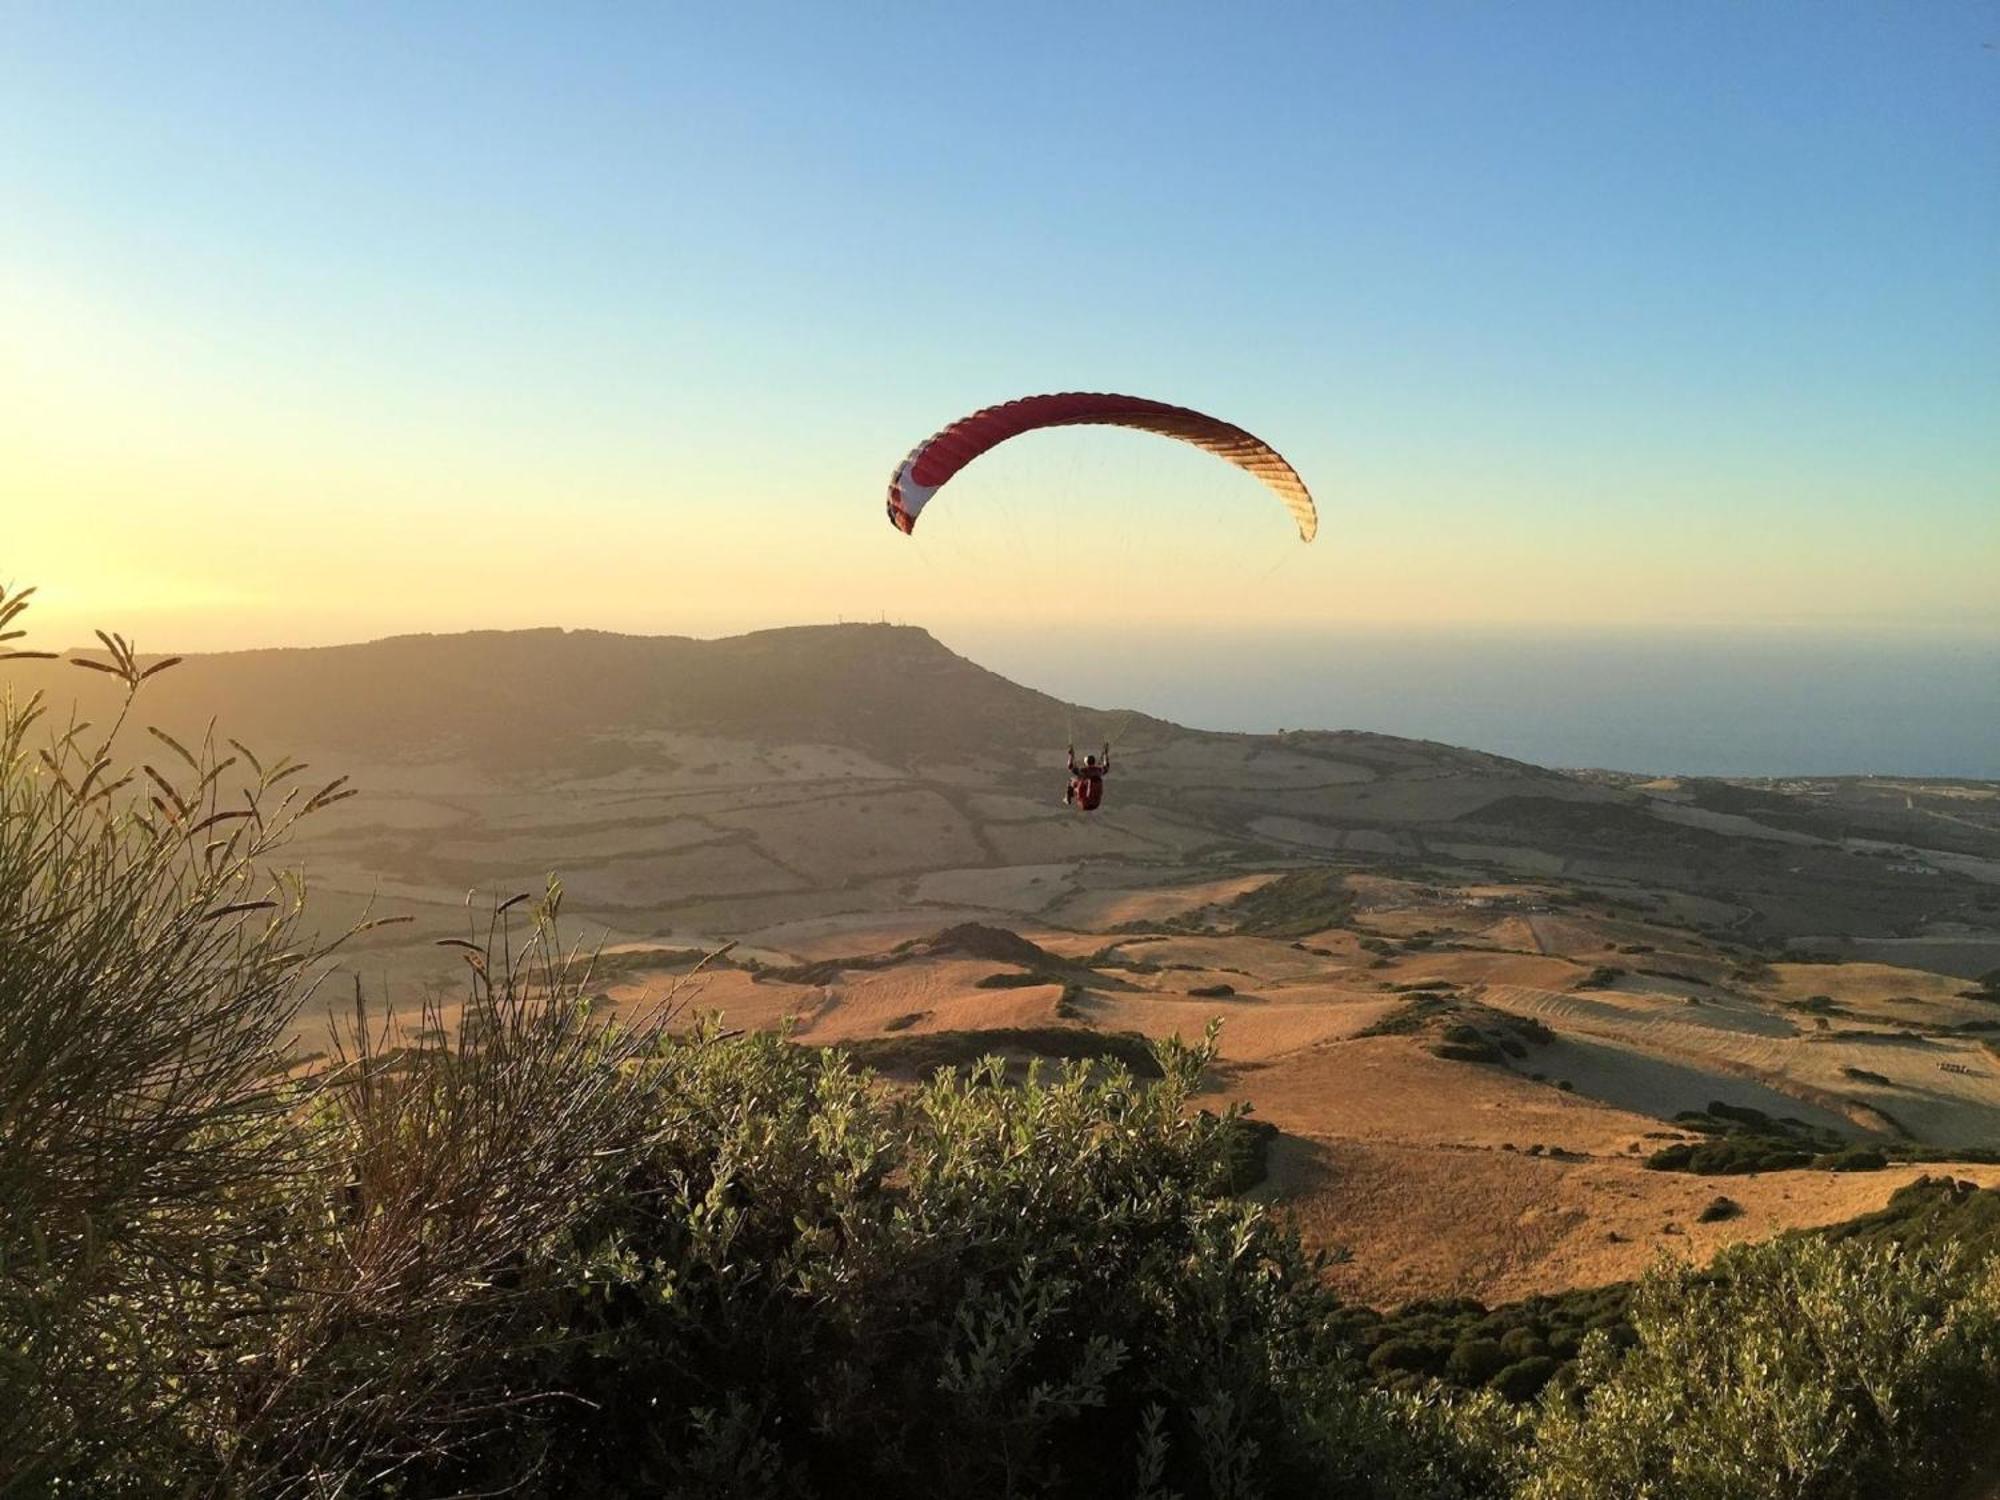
x,y
1532,1030
1796,1368
1731,1156
817,1286
925,1051
1477,1361
1445,1337
1294,905
1743,1139
1411,1016
1525,1378
1249,1153
1480,1051
1932,1213
630,961
1853,1159
453,1164
151,965
1014,979
216,1278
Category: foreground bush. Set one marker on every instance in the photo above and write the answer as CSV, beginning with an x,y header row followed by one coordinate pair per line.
x,y
151,966
217,1277
1798,1368
819,1287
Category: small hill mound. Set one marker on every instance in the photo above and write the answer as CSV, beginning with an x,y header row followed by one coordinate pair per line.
x,y
977,940
531,699
966,940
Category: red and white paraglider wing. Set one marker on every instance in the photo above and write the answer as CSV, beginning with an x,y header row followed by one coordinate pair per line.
x,y
931,464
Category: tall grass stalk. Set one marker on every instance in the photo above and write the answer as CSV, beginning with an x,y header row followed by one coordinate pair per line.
x,y
152,963
468,1141
220,1273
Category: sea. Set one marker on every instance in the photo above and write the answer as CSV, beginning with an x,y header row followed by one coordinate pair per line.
x,y
1740,703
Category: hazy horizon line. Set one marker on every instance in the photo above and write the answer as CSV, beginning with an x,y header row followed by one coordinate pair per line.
x,y
1623,631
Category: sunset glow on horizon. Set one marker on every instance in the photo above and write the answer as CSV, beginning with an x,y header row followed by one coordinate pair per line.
x,y
322,326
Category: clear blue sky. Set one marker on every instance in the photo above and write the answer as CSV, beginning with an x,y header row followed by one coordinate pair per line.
x,y
1573,313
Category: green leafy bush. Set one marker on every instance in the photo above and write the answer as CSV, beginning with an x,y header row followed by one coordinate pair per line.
x,y
1932,1213
151,966
1523,1380
1730,1156
1476,1361
1796,1368
979,1287
923,1052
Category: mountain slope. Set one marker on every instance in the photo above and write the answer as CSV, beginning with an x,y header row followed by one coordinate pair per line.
x,y
534,698
717,787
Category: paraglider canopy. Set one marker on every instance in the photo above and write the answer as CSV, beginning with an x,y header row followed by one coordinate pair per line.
x,y
934,461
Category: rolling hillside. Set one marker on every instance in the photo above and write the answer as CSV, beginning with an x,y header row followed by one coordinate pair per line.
x,y
1447,977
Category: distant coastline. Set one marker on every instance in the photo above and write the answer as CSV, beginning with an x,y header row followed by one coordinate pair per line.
x,y
1672,702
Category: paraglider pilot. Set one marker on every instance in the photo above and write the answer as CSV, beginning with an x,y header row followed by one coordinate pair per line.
x,y
1086,781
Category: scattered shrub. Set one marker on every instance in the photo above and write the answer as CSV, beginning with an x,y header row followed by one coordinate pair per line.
x,y
1476,1361
1248,1154
1410,1017
1407,1354
1523,1380
1480,1051
1853,1159
1294,905
1531,1030
1731,1156
1012,979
